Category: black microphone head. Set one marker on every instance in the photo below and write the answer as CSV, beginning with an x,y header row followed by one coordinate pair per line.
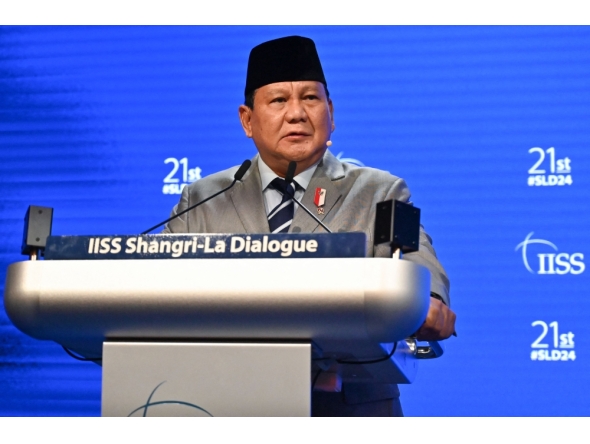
x,y
242,170
290,172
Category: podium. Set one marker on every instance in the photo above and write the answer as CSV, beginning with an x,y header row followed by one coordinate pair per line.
x,y
225,337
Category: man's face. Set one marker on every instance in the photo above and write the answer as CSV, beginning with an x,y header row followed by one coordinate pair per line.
x,y
290,121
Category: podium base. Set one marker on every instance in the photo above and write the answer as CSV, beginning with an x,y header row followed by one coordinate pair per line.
x,y
206,379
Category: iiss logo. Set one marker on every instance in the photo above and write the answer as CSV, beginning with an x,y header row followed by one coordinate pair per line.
x,y
169,407
560,169
174,184
552,262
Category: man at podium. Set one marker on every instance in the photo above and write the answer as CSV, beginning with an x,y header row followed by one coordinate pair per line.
x,y
289,115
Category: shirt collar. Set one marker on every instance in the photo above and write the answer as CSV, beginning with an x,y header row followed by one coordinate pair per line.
x,y
267,175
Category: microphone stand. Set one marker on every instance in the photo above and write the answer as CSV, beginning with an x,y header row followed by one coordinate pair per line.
x,y
238,176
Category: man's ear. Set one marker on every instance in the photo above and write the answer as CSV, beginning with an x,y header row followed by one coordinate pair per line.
x,y
245,114
331,114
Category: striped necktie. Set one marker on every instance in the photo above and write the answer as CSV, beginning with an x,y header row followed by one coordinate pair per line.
x,y
280,218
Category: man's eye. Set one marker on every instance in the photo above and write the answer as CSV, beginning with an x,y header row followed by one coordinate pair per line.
x,y
311,97
278,100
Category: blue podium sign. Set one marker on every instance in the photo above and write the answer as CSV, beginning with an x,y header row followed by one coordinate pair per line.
x,y
208,246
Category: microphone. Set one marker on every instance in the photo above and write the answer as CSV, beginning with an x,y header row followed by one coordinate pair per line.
x,y
289,178
290,172
238,176
245,166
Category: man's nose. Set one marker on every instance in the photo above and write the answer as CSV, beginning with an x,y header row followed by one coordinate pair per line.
x,y
295,111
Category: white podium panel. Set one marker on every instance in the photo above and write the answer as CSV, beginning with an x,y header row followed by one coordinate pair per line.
x,y
206,379
82,303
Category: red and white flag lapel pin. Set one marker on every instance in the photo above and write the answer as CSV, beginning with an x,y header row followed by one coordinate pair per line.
x,y
319,199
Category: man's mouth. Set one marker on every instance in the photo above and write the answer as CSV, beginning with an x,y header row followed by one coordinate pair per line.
x,y
296,134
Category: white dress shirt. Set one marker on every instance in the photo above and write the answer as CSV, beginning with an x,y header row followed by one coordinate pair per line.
x,y
271,196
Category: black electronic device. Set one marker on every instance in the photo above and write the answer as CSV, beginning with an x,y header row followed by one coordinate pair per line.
x,y
398,223
38,222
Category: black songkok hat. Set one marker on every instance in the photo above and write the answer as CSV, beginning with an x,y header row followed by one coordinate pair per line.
x,y
288,59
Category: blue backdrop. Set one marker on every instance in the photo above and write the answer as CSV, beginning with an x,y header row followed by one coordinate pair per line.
x,y
488,125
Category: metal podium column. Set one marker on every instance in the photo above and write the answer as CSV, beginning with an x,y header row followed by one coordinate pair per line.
x,y
206,379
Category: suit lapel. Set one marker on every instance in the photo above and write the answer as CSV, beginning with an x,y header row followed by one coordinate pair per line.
x,y
329,170
248,201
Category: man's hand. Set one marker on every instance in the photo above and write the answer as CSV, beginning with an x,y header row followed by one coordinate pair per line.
x,y
439,323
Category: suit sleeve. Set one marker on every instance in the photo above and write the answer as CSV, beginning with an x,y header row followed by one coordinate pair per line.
x,y
180,224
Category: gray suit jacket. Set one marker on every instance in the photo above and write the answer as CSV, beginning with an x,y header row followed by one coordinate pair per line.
x,y
351,196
